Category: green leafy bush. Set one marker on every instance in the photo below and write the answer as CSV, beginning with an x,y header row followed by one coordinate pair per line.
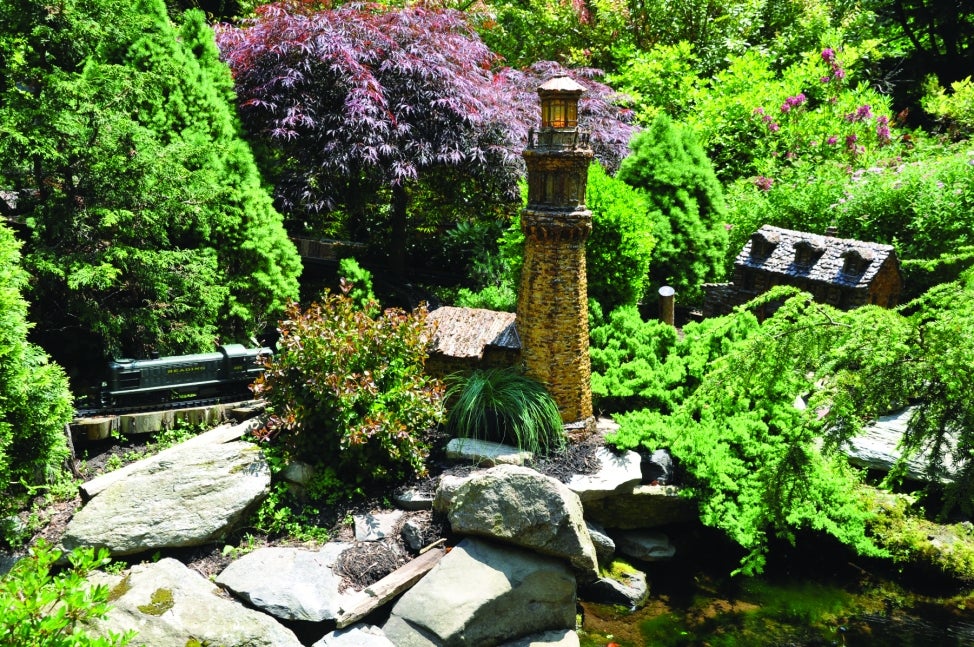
x,y
35,403
955,109
501,298
150,229
42,608
347,390
632,364
619,251
756,122
644,364
359,280
679,182
504,405
659,80
753,459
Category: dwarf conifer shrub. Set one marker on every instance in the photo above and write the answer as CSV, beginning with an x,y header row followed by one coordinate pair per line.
x,y
687,202
35,403
347,390
504,405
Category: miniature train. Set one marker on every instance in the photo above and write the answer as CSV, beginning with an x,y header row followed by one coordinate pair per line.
x,y
222,375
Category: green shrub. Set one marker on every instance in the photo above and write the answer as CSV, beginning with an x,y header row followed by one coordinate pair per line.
x,y
504,405
632,364
163,236
659,80
619,251
40,608
35,403
347,390
501,298
755,121
360,284
671,168
954,110
754,460
644,364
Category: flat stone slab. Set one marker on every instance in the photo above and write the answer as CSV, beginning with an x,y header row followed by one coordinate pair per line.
x,y
878,448
377,525
644,545
180,499
357,636
485,453
413,499
617,472
558,638
289,583
169,604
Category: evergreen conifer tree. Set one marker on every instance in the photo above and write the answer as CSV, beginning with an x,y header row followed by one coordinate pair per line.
x,y
35,403
679,181
149,229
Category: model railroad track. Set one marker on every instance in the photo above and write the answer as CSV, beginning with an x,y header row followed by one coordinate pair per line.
x,y
98,412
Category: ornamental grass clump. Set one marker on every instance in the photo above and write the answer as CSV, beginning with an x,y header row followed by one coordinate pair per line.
x,y
504,405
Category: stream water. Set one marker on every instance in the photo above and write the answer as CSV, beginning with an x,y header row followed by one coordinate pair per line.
x,y
807,597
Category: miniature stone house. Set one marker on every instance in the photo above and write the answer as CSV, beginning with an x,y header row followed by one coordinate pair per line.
x,y
841,272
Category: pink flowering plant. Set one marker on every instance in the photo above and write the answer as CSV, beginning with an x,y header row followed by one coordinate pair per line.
x,y
758,123
822,117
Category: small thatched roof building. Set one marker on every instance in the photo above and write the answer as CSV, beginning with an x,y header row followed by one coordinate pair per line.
x,y
471,338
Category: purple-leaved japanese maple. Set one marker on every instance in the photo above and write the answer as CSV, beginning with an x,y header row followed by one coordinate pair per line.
x,y
364,98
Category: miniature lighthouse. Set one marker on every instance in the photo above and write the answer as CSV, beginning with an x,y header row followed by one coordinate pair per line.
x,y
552,307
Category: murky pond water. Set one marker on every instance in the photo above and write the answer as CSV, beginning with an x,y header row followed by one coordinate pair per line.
x,y
806,598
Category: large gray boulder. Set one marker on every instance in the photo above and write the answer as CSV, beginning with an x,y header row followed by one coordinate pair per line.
x,y
520,506
184,498
483,594
289,583
169,604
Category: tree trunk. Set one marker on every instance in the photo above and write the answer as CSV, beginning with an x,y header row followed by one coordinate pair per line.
x,y
397,243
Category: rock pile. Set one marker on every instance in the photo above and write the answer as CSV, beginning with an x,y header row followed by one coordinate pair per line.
x,y
526,547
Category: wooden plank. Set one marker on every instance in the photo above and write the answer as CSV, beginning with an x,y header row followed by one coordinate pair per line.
x,y
218,435
373,597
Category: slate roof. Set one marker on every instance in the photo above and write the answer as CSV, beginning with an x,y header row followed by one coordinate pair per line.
x,y
837,261
467,332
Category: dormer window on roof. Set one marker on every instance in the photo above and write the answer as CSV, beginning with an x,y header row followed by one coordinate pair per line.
x,y
855,261
807,253
762,244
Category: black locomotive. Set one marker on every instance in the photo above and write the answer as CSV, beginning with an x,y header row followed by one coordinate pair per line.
x,y
219,376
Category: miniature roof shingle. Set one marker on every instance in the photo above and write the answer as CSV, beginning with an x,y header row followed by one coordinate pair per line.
x,y
837,261
467,332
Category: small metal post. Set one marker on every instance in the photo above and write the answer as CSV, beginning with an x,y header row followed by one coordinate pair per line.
x,y
666,307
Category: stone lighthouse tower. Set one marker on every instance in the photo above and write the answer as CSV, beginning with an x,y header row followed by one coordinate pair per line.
x,y
552,307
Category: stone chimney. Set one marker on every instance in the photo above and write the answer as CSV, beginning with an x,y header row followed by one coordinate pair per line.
x,y
552,307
